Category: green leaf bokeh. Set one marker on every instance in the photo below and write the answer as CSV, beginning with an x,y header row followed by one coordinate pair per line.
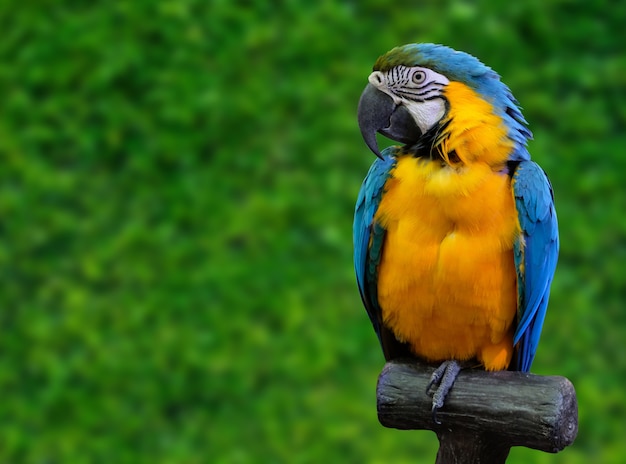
x,y
177,186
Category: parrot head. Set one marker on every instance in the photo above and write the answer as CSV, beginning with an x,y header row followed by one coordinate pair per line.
x,y
407,97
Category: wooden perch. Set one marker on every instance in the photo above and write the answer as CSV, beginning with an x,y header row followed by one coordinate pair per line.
x,y
485,413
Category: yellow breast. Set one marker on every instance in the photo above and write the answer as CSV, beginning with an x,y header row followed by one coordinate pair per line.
x,y
447,282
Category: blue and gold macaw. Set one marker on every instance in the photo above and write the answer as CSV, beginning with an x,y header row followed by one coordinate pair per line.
x,y
455,232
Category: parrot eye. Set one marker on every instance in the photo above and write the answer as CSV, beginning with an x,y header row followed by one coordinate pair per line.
x,y
418,77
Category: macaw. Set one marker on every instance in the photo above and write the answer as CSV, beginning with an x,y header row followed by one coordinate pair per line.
x,y
455,232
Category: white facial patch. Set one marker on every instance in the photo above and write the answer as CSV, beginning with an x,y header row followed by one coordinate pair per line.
x,y
418,89
427,114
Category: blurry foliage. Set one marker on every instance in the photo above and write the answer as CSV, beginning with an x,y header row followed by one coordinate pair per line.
x,y
177,187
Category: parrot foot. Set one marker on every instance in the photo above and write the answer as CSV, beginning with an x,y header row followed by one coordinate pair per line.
x,y
443,377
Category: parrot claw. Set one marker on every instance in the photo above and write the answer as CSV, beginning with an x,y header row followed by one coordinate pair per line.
x,y
443,377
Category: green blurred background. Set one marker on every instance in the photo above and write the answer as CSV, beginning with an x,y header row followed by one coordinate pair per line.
x,y
177,186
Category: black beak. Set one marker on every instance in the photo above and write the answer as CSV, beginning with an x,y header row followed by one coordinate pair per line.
x,y
378,113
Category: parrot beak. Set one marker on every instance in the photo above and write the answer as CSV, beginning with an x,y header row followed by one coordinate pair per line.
x,y
377,112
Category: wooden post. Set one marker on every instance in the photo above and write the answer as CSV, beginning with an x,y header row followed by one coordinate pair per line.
x,y
485,413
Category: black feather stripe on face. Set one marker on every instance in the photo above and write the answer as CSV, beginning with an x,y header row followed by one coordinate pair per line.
x,y
400,84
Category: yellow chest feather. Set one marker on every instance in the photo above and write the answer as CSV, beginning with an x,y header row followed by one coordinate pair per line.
x,y
447,282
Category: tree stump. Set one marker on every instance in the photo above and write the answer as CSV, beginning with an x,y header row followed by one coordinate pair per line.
x,y
485,413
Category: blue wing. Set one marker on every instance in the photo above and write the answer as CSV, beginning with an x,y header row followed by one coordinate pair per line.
x,y
368,237
536,253
364,231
